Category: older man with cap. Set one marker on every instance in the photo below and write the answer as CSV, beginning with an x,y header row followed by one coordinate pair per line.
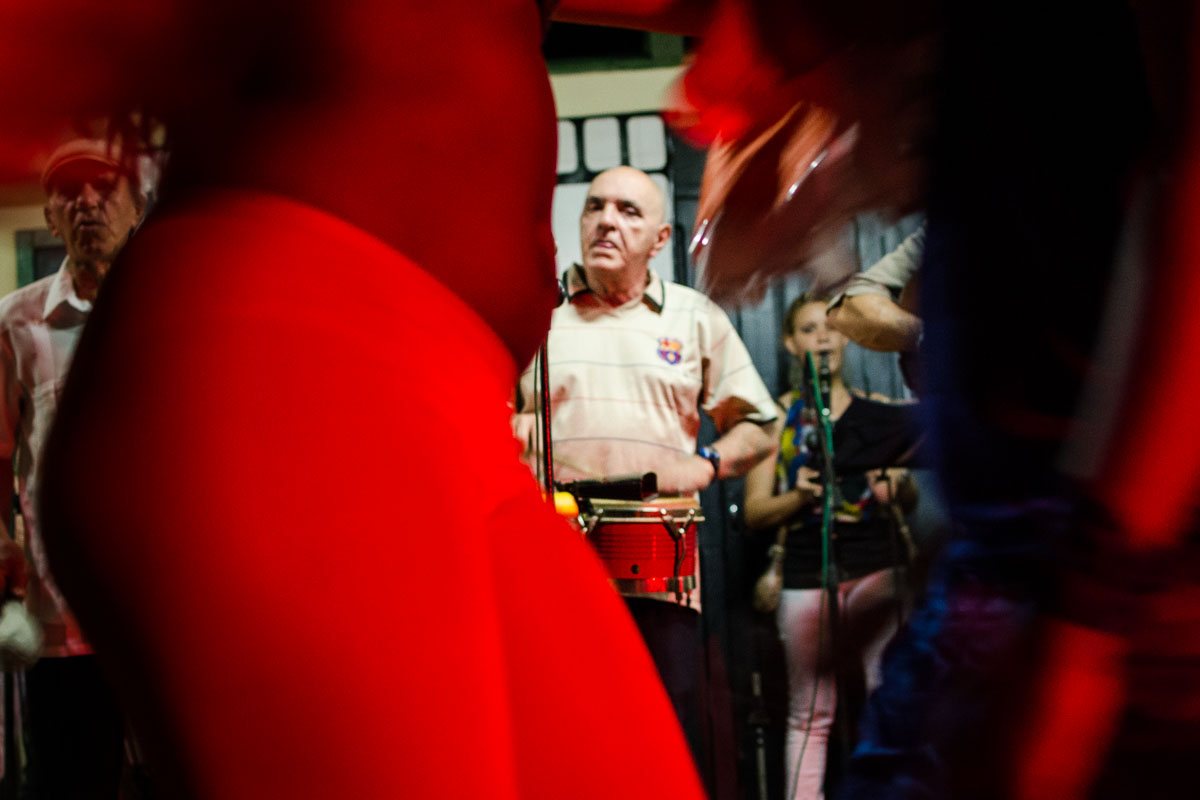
x,y
633,360
93,203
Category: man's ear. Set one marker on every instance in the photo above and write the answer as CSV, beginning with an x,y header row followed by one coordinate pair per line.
x,y
660,241
791,348
136,194
50,223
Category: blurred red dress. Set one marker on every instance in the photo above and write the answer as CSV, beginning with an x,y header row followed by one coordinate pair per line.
x,y
282,492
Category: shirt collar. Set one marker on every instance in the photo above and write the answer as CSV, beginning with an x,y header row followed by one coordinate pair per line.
x,y
62,295
655,296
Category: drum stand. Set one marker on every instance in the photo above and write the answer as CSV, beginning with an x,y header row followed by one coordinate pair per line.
x,y
759,720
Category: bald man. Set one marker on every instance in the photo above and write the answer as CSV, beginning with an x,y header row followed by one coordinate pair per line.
x,y
633,359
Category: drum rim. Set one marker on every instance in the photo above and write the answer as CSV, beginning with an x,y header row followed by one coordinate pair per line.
x,y
681,504
674,583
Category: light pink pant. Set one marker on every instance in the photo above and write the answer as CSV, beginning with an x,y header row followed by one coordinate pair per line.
x,y
868,616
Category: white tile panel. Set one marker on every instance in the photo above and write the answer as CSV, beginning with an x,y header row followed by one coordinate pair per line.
x,y
601,143
647,142
665,185
568,152
568,203
664,262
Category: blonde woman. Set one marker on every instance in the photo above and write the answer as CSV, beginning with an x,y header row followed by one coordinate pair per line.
x,y
788,492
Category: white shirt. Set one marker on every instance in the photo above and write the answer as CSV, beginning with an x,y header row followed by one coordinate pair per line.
x,y
39,328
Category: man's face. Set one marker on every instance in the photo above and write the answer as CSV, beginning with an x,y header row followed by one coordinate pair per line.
x,y
92,208
622,222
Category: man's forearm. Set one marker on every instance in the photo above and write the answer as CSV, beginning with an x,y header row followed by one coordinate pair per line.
x,y
876,323
744,445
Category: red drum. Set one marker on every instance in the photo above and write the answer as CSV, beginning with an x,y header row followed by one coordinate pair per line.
x,y
646,546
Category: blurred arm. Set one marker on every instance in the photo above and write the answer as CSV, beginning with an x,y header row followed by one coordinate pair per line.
x,y
874,311
687,17
876,323
745,445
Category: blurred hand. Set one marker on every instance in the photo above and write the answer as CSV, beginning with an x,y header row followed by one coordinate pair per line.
x,y
685,476
897,487
808,485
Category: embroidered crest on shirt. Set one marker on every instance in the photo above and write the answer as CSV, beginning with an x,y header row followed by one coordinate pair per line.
x,y
670,350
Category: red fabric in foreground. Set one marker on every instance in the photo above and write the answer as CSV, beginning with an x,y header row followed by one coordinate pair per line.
x,y
1157,501
286,501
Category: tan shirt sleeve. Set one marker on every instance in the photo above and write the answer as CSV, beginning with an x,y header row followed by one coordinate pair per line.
x,y
733,390
889,275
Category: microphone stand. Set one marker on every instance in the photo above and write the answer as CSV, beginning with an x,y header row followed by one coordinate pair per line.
x,y
546,465
819,382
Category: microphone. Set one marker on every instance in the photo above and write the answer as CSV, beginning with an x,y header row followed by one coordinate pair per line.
x,y
824,380
818,391
817,388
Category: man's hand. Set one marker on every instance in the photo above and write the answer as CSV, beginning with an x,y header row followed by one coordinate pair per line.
x,y
686,475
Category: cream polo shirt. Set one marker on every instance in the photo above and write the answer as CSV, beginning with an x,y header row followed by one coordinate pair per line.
x,y
39,328
627,383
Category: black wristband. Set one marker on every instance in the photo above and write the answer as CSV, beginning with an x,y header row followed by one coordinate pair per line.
x,y
713,457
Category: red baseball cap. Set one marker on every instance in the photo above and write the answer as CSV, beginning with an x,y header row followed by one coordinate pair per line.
x,y
76,153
